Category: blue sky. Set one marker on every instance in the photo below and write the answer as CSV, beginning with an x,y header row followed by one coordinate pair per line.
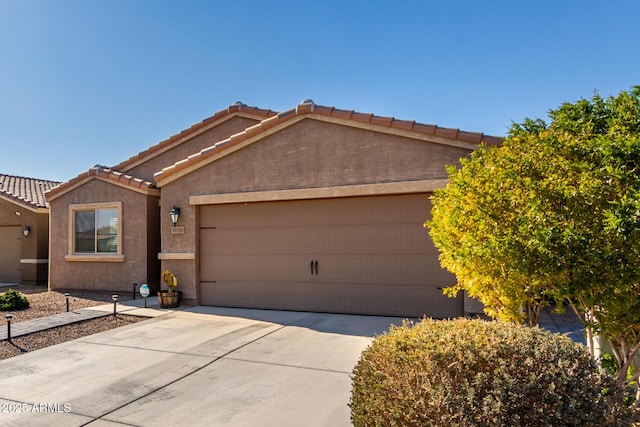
x,y
85,82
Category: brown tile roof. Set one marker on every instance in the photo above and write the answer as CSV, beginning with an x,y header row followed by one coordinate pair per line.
x,y
391,122
106,174
309,107
26,191
114,175
235,108
270,120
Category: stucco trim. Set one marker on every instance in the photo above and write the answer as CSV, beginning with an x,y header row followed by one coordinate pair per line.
x,y
177,255
389,188
95,258
34,261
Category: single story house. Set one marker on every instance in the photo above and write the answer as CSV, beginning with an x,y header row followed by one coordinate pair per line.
x,y
313,209
24,229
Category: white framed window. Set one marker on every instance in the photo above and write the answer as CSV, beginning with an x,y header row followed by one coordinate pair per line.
x,y
95,232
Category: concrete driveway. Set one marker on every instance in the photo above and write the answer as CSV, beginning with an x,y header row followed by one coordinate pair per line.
x,y
202,367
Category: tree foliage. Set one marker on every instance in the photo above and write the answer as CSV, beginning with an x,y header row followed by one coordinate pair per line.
x,y
552,215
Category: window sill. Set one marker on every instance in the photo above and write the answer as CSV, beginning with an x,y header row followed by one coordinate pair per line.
x,y
95,258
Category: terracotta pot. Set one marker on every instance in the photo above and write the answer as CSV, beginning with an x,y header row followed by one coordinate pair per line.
x,y
169,300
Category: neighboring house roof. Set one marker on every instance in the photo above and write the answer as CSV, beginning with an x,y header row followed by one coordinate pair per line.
x,y
433,133
237,108
28,192
105,174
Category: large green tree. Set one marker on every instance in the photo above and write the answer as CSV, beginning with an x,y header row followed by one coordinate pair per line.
x,y
553,215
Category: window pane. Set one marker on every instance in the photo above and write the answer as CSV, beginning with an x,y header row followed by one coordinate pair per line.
x,y
107,230
85,232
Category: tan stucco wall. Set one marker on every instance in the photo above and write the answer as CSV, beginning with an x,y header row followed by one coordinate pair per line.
x,y
152,205
8,214
309,154
204,140
181,247
139,244
35,248
312,153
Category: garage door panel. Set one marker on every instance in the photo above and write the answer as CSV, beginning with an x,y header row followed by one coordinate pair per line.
x,y
374,269
333,297
258,268
343,211
374,257
379,239
370,239
260,241
360,269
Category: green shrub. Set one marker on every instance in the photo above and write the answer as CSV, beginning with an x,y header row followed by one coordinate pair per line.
x,y
475,373
13,300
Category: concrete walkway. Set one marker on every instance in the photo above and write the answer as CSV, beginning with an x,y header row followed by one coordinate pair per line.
x,y
43,323
133,307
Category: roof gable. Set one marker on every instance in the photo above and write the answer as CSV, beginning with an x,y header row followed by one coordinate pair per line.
x,y
106,174
28,192
118,174
308,110
237,109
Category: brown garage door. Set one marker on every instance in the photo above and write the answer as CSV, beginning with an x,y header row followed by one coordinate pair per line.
x,y
365,255
10,248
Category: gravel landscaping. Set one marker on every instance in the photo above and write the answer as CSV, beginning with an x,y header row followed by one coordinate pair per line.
x,y
44,303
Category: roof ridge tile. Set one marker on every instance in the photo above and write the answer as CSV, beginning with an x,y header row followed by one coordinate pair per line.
x,y
382,121
342,114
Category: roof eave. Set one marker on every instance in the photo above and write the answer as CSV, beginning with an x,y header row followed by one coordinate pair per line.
x,y
24,204
109,176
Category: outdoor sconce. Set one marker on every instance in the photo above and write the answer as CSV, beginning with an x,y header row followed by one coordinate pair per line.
x,y
26,230
175,214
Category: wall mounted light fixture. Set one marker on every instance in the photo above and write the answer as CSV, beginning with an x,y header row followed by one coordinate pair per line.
x,y
26,230
175,214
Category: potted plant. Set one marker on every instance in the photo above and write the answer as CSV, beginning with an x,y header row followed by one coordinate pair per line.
x,y
169,298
